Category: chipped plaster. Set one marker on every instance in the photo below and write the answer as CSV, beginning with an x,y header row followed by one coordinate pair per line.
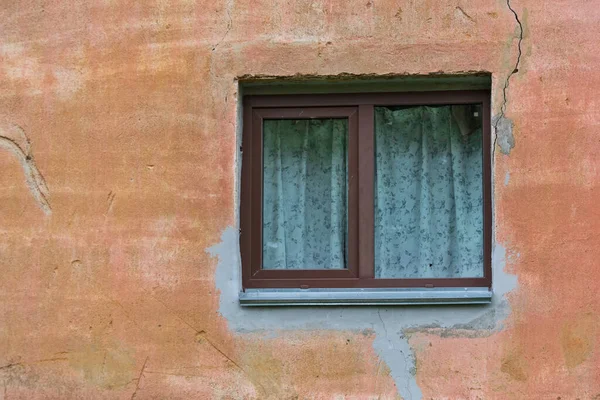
x,y
389,323
99,135
504,134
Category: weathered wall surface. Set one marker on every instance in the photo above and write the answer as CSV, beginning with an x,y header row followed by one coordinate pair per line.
x,y
118,160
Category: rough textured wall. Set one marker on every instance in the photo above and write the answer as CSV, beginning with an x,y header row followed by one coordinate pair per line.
x,y
118,158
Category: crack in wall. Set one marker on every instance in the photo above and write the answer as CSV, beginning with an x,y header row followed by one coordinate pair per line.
x,y
391,325
200,334
464,13
228,7
137,384
28,363
14,140
503,126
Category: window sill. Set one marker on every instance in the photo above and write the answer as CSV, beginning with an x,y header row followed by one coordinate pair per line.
x,y
364,297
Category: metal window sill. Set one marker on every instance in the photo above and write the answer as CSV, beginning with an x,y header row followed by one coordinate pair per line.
x,y
364,297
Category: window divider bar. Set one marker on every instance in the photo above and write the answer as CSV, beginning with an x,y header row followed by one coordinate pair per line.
x,y
366,192
353,200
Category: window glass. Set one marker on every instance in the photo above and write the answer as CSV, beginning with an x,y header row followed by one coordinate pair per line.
x,y
428,192
305,193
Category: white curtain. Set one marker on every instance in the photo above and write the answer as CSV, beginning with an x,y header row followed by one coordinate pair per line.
x,y
305,194
428,192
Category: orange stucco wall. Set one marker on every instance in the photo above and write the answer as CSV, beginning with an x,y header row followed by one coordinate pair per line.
x,y
118,170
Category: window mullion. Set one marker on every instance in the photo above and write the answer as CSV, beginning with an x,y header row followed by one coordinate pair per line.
x,y
366,178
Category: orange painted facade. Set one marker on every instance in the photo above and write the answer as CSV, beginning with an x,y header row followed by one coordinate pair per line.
x,y
118,160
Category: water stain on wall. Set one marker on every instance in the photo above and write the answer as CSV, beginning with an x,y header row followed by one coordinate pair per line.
x,y
577,338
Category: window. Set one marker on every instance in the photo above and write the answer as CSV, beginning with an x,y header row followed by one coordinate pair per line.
x,y
363,191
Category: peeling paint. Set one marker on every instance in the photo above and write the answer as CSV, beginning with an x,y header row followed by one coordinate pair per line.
x,y
390,324
132,114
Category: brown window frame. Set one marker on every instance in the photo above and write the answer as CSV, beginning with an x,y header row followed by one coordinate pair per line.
x,y
359,109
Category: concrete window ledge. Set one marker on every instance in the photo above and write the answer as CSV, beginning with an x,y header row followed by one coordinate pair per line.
x,y
364,297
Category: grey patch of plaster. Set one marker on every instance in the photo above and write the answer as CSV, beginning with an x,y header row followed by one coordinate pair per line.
x,y
506,178
504,134
14,140
389,323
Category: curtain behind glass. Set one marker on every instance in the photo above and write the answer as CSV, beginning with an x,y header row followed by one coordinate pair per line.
x,y
428,193
304,194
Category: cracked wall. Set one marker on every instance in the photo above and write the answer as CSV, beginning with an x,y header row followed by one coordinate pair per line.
x,y
118,151
14,140
391,327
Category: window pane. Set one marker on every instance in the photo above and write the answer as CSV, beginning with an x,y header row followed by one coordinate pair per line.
x,y
305,194
428,192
